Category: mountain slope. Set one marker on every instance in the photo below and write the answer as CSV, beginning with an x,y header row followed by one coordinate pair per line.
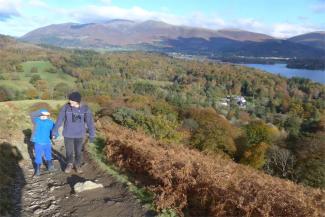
x,y
313,39
126,32
227,47
160,36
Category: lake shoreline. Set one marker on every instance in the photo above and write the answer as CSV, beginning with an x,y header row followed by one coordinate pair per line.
x,y
283,70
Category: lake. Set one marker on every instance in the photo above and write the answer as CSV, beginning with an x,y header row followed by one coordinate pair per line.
x,y
315,75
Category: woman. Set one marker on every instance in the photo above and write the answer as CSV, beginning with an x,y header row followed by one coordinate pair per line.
x,y
74,116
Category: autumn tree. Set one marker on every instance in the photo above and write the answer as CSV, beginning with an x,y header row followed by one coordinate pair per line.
x,y
255,155
214,133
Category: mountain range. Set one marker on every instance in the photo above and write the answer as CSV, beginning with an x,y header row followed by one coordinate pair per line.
x,y
160,36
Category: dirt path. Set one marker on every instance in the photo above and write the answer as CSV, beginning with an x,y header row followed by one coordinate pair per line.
x,y
52,194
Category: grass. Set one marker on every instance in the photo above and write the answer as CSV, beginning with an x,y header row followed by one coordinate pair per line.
x,y
42,66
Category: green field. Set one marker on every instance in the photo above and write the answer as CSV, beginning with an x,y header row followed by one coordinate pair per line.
x,y
22,78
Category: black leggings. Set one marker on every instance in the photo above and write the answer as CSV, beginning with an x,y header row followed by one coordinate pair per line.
x,y
74,145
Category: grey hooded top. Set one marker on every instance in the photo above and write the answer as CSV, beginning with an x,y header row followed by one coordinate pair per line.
x,y
74,122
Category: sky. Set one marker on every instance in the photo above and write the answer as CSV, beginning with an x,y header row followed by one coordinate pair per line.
x,y
279,18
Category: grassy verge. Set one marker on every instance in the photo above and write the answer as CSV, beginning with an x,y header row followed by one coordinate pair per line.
x,y
144,196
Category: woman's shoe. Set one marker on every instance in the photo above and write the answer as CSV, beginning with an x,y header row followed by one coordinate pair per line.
x,y
78,169
68,168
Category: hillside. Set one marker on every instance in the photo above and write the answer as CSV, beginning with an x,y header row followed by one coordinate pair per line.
x,y
26,72
196,184
313,39
126,32
49,77
183,179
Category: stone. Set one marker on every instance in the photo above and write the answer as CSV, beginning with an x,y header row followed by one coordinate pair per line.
x,y
38,211
85,186
51,207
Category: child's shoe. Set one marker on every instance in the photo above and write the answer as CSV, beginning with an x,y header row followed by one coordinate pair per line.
x,y
50,166
38,170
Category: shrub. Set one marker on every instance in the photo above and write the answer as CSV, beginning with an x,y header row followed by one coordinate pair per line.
x,y
157,126
51,70
34,79
31,93
6,94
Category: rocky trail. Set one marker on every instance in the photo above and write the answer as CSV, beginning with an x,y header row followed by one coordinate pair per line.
x,y
53,194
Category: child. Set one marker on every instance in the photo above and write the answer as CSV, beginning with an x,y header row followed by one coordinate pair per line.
x,y
41,137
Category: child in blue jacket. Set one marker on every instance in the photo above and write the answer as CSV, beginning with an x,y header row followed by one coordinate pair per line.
x,y
41,137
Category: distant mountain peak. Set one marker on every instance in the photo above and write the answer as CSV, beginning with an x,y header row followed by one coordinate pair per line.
x,y
155,34
119,21
231,30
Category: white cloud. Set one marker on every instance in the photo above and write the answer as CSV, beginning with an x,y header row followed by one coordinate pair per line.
x,y
285,30
8,9
94,13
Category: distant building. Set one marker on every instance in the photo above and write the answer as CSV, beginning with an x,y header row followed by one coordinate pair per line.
x,y
240,101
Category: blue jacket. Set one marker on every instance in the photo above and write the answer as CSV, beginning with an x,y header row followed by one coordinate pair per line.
x,y
74,122
42,129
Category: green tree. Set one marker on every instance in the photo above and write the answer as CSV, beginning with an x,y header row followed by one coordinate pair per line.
x,y
61,90
257,132
214,133
292,125
312,172
34,79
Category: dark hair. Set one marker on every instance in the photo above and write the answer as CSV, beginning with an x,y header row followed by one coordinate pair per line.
x,y
75,96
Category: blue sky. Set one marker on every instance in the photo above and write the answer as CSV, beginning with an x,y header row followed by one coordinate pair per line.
x,y
279,18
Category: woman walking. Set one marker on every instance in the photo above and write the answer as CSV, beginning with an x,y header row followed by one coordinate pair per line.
x,y
74,116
